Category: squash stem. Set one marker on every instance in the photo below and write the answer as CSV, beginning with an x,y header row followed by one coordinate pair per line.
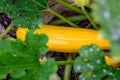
x,y
68,68
70,6
74,18
68,62
6,31
62,17
89,18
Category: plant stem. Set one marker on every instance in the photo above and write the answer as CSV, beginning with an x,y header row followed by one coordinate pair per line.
x,y
6,31
62,17
62,2
89,18
70,62
68,68
71,18
78,11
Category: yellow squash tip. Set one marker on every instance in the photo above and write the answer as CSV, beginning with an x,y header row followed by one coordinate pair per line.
x,y
109,61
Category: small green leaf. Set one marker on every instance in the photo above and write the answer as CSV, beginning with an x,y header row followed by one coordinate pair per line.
x,y
36,42
91,64
24,13
49,67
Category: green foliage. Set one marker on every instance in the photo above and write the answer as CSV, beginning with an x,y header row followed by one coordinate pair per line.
x,y
36,43
20,59
92,66
42,72
25,13
107,14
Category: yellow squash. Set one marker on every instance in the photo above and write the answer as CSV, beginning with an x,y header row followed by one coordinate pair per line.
x,y
66,39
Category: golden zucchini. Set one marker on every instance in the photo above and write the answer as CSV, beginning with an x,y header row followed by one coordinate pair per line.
x,y
66,39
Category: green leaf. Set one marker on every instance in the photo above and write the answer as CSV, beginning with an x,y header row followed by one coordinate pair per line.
x,y
108,15
3,73
36,43
18,73
43,72
21,59
48,68
92,66
25,13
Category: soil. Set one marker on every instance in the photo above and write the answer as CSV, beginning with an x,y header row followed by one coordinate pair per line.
x,y
48,17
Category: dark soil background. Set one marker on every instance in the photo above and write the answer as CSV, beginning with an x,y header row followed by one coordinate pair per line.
x,y
47,17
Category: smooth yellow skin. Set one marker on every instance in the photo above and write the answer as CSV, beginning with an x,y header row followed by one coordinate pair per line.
x,y
66,39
